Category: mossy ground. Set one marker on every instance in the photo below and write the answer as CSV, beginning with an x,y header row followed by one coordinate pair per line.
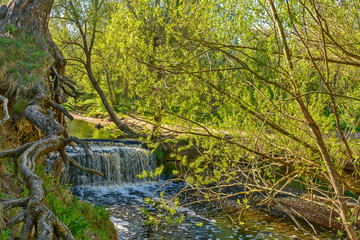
x,y
23,63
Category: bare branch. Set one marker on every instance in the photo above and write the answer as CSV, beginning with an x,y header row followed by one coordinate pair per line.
x,y
62,109
64,155
321,92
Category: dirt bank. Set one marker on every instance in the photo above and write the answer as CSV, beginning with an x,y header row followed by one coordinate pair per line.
x,y
134,122
103,122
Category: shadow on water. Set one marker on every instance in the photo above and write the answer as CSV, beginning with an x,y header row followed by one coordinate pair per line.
x,y
125,202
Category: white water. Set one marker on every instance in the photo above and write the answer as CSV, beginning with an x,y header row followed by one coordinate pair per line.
x,y
125,203
119,164
122,193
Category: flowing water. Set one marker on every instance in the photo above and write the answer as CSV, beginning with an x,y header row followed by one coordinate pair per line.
x,y
123,194
119,163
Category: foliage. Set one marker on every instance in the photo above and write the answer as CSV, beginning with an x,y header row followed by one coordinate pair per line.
x,y
5,234
113,131
262,97
166,212
91,15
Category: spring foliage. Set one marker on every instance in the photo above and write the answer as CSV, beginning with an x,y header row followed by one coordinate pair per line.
x,y
268,93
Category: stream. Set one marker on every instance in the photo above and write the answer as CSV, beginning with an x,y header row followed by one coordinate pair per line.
x,y
123,194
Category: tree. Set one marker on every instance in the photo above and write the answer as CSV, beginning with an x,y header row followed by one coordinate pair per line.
x,y
34,68
84,21
285,74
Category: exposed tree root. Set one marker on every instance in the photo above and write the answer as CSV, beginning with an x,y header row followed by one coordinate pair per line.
x,y
38,221
37,215
46,113
6,113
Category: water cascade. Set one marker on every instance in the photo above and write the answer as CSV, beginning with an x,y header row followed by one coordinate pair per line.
x,y
122,193
118,162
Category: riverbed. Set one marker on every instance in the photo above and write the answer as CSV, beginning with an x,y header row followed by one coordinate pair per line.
x,y
126,204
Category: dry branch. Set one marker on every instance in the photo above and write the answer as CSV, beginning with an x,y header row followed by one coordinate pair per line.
x,y
64,155
62,109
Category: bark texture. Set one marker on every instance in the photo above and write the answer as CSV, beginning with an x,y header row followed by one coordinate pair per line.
x,y
45,112
26,14
102,95
109,87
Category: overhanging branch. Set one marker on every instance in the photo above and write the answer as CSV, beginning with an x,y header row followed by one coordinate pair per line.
x,y
64,155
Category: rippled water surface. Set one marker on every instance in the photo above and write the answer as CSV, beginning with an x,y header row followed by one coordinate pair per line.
x,y
125,205
125,201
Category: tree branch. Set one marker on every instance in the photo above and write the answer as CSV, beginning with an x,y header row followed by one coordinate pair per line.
x,y
321,92
64,155
62,109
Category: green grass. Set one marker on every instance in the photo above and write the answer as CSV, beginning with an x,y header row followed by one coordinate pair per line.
x,y
79,216
84,220
5,234
22,60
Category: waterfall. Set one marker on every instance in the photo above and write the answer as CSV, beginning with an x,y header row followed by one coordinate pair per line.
x,y
118,162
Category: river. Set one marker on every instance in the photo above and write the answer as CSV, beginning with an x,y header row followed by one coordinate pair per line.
x,y
125,201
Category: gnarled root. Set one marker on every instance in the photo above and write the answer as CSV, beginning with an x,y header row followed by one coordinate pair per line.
x,y
36,215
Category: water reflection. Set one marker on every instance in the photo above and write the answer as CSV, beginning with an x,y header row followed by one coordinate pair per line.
x,y
82,129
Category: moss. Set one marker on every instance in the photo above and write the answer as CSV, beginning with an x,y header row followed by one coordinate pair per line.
x,y
20,105
22,62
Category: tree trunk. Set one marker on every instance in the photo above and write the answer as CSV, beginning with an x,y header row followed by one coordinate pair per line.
x,y
109,109
87,48
26,14
109,87
33,16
